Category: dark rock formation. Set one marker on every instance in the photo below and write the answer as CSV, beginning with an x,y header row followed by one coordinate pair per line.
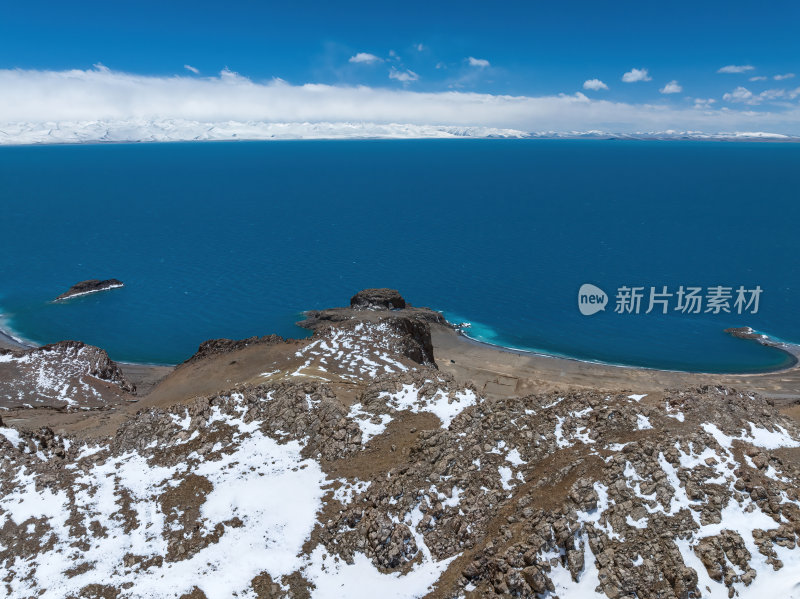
x,y
744,333
370,305
225,346
90,286
378,299
414,339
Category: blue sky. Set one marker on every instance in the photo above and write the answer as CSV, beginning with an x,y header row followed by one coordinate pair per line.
x,y
517,48
533,47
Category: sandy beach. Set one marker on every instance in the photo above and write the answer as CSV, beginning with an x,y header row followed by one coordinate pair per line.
x,y
9,342
501,372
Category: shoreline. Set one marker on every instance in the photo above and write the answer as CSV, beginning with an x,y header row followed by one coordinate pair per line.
x,y
502,373
10,341
784,347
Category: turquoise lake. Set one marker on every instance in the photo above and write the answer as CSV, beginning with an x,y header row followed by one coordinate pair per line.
x,y
236,239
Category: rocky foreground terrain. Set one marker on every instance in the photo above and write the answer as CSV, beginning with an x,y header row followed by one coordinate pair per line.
x,y
349,465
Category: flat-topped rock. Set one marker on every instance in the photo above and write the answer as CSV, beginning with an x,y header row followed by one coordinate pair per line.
x,y
373,305
378,299
90,286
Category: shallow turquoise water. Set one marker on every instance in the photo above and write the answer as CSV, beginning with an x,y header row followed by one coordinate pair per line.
x,y
235,239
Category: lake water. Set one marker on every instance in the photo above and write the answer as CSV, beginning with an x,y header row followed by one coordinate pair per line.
x,y
236,239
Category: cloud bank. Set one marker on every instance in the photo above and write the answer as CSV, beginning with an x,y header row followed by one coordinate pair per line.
x,y
79,98
743,95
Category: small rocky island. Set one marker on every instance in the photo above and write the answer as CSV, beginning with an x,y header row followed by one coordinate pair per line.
x,y
90,286
745,333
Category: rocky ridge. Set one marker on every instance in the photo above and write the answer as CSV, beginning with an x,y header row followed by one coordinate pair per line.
x,y
226,346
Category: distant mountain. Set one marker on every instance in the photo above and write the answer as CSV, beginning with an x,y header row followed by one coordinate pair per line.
x,y
183,130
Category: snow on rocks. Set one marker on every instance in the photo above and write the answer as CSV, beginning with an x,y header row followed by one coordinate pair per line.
x,y
121,504
281,486
68,373
364,350
414,392
643,422
443,405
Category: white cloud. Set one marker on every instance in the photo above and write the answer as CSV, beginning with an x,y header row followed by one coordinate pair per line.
x,y
189,67
420,47
62,99
704,102
481,63
594,84
733,68
405,76
745,96
758,78
365,58
772,94
673,87
740,94
636,75
784,76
